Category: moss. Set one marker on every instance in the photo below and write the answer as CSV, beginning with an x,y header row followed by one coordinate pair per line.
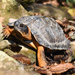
x,y
11,9
30,54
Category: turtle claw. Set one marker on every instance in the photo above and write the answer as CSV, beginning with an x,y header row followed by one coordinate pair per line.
x,y
4,36
5,33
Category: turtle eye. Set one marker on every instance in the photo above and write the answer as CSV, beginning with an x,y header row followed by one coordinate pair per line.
x,y
21,25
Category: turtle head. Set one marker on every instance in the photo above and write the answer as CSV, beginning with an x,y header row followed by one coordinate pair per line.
x,y
21,29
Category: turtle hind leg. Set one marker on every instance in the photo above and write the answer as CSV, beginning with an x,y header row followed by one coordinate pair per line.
x,y
41,57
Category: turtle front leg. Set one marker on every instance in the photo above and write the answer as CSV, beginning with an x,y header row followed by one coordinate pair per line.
x,y
40,53
7,31
41,57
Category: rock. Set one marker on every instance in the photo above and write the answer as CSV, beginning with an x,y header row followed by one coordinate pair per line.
x,y
73,48
11,9
25,3
30,53
7,46
11,66
48,10
1,38
9,52
5,43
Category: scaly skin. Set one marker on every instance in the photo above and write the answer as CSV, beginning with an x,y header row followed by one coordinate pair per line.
x,y
7,31
40,53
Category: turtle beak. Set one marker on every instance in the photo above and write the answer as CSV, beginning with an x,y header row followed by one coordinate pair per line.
x,y
11,24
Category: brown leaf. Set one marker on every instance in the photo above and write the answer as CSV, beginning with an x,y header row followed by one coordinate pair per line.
x,y
23,59
57,69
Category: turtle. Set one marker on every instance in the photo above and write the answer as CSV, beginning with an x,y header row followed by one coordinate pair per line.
x,y
40,32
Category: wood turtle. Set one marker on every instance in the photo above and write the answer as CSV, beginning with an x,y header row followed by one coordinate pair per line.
x,y
43,31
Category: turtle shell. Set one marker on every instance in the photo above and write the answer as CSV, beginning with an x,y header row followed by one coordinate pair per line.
x,y
46,32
